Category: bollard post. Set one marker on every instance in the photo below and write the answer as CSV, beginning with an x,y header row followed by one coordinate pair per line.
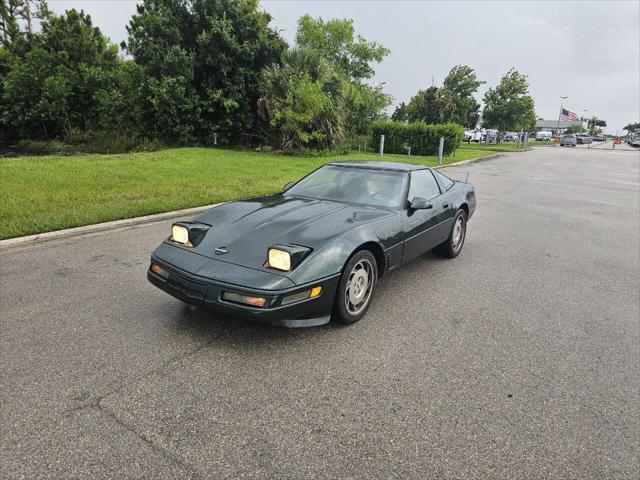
x,y
440,150
215,138
381,145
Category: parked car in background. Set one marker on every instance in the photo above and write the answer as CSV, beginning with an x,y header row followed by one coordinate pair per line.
x,y
467,135
472,135
583,138
511,136
489,136
634,141
600,138
544,136
568,140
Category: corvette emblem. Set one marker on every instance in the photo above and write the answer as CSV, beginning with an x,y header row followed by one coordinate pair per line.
x,y
221,250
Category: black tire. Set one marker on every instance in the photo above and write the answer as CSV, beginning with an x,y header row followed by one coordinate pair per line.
x,y
361,265
452,246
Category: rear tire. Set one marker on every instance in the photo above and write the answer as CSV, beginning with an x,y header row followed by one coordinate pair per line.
x,y
356,288
452,246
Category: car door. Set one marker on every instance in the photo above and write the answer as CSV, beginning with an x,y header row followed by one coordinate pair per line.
x,y
449,206
420,226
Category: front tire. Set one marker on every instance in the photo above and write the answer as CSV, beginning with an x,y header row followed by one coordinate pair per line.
x,y
356,287
452,246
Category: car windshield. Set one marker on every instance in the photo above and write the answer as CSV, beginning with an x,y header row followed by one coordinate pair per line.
x,y
380,188
567,136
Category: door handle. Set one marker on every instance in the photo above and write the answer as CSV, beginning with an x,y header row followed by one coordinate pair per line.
x,y
445,205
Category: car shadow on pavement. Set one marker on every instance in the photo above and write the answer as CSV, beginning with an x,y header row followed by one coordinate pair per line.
x,y
202,322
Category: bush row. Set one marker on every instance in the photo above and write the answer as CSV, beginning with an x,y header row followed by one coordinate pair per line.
x,y
421,137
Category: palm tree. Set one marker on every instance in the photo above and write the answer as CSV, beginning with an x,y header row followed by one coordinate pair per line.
x,y
303,100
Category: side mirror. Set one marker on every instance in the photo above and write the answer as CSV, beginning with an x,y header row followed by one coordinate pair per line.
x,y
420,203
288,186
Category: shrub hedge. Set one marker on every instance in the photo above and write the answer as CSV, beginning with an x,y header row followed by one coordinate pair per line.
x,y
78,142
421,137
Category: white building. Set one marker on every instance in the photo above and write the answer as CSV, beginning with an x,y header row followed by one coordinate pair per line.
x,y
552,125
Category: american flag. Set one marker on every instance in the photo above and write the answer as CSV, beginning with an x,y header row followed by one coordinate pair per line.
x,y
567,115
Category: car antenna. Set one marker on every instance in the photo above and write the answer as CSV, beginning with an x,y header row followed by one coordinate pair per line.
x,y
465,180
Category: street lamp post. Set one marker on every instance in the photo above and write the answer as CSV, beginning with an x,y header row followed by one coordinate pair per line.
x,y
562,99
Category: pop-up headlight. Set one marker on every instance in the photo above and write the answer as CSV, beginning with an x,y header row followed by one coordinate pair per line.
x,y
188,234
286,257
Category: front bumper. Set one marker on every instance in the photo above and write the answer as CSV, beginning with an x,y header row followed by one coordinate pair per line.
x,y
201,291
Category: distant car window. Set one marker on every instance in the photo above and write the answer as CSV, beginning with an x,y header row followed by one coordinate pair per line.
x,y
447,183
423,184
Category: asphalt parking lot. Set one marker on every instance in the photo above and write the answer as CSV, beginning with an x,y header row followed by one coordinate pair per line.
x,y
518,359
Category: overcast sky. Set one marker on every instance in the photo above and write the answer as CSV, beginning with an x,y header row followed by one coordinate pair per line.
x,y
589,51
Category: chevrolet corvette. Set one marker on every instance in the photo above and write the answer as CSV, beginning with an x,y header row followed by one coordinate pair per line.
x,y
317,250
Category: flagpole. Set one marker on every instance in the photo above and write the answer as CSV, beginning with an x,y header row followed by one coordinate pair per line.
x,y
562,99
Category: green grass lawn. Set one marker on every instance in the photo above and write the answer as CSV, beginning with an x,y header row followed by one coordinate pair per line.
x,y
40,194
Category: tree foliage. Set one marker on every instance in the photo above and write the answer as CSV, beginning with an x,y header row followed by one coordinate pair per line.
x,y
459,86
364,104
594,123
578,128
201,61
632,127
336,40
303,101
52,87
508,106
16,20
352,57
431,106
400,113
200,68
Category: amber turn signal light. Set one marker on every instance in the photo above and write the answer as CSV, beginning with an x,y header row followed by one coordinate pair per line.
x,y
245,299
158,270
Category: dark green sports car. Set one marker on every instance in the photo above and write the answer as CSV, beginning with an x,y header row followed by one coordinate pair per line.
x,y
316,250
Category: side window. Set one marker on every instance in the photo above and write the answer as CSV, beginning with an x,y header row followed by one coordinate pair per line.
x,y
423,185
446,182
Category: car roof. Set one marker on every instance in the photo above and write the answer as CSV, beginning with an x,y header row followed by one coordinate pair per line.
x,y
393,166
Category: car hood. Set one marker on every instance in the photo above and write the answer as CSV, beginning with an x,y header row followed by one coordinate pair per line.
x,y
248,228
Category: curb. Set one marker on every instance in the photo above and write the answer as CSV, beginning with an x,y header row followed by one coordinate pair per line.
x,y
473,160
98,227
16,242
